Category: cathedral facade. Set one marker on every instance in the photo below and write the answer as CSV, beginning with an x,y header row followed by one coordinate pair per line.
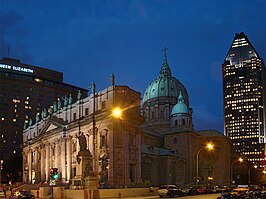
x,y
53,141
154,142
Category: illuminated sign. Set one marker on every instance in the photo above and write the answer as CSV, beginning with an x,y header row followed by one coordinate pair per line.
x,y
16,68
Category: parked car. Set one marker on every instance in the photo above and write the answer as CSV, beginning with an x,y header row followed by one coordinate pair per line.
x,y
21,195
169,191
205,190
2,195
189,191
218,189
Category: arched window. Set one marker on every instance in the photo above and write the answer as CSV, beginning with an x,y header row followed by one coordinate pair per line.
x,y
175,122
183,122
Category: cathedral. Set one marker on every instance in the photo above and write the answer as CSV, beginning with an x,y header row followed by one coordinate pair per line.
x,y
153,142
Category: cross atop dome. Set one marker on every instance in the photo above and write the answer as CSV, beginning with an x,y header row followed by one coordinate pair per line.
x,y
165,50
165,70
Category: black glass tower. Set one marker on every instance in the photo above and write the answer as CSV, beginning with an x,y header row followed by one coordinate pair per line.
x,y
244,99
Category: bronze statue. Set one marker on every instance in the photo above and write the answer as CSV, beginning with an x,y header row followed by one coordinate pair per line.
x,y
82,141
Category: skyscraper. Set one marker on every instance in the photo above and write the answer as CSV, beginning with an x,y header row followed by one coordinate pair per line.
x,y
244,99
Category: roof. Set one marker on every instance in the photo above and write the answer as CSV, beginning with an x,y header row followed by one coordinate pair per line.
x,y
165,85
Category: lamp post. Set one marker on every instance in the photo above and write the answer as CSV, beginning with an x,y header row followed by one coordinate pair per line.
x,y
249,172
116,113
210,178
232,168
209,146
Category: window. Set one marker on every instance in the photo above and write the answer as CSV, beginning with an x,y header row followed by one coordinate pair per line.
x,y
103,105
74,116
87,111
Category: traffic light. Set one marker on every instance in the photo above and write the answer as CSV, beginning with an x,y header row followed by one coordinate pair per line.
x,y
54,173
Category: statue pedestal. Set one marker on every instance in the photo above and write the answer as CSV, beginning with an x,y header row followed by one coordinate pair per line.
x,y
83,169
84,166
91,182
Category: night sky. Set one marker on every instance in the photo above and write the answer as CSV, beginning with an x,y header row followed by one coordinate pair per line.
x,y
88,40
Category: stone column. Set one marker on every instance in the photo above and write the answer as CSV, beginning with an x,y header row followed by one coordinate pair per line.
x,y
25,166
42,163
30,166
36,169
69,158
63,159
56,154
77,144
47,166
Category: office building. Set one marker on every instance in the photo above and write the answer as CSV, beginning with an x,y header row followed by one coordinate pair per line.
x,y
25,91
244,99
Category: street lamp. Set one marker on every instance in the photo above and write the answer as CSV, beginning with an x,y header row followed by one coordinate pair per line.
x,y
210,178
249,172
209,147
117,112
240,160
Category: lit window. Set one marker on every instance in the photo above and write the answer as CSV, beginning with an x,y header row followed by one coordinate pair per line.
x,y
37,80
14,120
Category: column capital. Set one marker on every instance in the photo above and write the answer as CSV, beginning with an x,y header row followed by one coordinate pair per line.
x,y
69,138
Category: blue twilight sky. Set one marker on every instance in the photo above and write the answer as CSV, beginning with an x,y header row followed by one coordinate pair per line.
x,y
88,40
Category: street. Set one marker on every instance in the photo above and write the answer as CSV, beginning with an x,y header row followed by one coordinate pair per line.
x,y
205,196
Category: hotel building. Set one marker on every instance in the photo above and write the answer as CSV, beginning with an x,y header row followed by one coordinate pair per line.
x,y
24,91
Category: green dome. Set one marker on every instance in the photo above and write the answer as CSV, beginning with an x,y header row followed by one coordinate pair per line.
x,y
180,107
165,85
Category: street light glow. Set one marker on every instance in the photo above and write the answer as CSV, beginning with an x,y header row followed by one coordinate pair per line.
x,y
117,112
240,160
209,146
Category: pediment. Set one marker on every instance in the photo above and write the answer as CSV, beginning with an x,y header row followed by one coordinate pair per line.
x,y
51,124
51,127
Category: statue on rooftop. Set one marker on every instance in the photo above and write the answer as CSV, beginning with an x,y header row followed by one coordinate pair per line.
x,y
25,125
37,118
70,99
59,104
65,100
55,107
45,113
79,95
30,122
50,110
